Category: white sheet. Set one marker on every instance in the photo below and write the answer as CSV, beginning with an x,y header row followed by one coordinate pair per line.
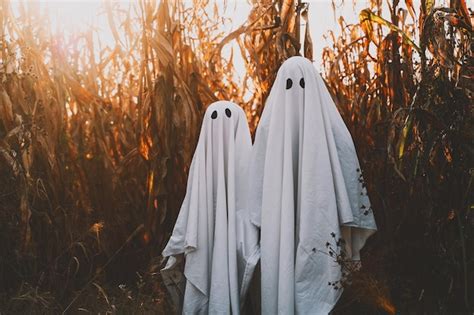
x,y
306,185
205,230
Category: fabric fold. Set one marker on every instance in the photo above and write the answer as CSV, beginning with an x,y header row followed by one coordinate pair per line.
x,y
307,191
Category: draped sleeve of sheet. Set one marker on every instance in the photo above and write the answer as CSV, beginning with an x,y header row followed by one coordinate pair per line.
x,y
184,240
362,225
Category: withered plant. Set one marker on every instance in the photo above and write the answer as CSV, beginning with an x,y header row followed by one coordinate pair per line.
x,y
96,141
402,79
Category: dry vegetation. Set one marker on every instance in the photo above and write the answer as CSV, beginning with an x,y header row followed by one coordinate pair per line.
x,y
95,143
403,83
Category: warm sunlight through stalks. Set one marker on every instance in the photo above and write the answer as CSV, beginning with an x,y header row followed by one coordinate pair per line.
x,y
400,80
98,126
101,103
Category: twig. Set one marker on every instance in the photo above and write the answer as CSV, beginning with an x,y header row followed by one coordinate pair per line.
x,y
134,233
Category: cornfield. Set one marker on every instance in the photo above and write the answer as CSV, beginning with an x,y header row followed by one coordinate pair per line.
x,y
404,86
96,141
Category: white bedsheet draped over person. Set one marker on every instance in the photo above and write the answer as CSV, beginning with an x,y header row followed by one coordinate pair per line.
x,y
307,185
205,230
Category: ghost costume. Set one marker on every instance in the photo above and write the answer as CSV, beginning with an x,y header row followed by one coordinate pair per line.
x,y
205,230
307,188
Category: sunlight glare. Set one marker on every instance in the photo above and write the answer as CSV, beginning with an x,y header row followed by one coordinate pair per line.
x,y
69,17
74,16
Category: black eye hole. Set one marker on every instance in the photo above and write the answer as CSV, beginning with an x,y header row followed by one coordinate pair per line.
x,y
228,113
289,84
214,114
302,83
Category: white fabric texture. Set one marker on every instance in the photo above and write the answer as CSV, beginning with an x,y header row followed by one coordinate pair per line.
x,y
306,185
248,251
205,230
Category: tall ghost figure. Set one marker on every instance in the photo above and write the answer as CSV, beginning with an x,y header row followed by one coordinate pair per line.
x,y
205,230
307,189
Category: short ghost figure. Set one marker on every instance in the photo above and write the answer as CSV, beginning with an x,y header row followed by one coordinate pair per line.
x,y
307,191
205,230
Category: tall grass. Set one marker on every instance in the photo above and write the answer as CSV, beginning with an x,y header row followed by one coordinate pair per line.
x,y
95,143
402,79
